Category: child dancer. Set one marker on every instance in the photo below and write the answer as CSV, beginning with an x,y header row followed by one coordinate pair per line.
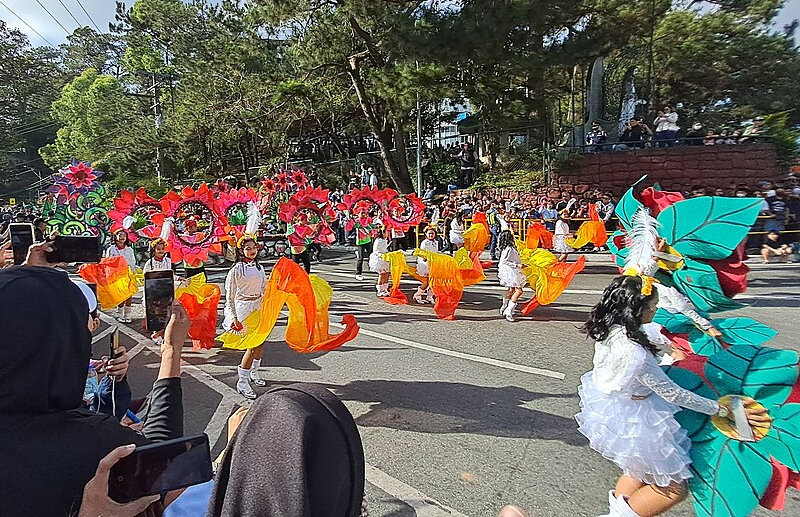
x,y
457,231
509,272
159,261
244,289
560,236
628,403
121,248
429,244
376,263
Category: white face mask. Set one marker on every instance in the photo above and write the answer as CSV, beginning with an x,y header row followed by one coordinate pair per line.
x,y
740,194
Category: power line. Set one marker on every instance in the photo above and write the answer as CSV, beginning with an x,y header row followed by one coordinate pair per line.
x,y
53,17
70,13
26,23
88,16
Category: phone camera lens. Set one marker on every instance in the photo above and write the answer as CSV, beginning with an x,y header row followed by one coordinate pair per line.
x,y
120,479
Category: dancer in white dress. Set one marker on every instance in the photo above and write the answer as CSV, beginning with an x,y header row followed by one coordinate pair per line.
x,y
376,263
562,233
122,248
244,289
457,231
509,272
424,294
628,403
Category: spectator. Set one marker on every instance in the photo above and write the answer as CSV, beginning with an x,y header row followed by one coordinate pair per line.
x,y
634,136
695,135
430,193
711,137
373,178
364,175
39,229
774,247
468,162
549,215
754,130
494,228
314,454
605,210
596,138
43,359
666,124
776,200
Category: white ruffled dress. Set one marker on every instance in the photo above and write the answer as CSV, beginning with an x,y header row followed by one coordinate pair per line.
x,y
509,269
560,238
627,412
422,265
376,262
244,289
456,233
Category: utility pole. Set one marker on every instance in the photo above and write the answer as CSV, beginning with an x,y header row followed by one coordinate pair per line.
x,y
152,95
419,144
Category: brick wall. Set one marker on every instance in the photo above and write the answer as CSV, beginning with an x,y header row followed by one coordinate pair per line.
x,y
676,168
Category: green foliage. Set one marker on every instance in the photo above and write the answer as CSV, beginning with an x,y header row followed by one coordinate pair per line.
x,y
521,179
782,136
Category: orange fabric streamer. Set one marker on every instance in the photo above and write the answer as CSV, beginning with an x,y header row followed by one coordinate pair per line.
x,y
397,266
476,238
593,230
445,281
200,299
308,299
538,236
115,280
550,282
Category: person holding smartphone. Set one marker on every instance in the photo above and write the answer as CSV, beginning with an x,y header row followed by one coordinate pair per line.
x,y
43,365
244,289
122,248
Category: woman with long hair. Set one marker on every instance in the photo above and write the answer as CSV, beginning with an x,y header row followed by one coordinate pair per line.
x,y
244,289
628,405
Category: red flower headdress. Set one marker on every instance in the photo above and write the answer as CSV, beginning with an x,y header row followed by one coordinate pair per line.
x,y
310,213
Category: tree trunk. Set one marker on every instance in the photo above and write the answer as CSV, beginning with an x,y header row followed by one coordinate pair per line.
x,y
397,173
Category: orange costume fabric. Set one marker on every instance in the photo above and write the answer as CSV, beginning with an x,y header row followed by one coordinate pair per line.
x,y
546,275
593,230
114,279
200,299
308,298
538,237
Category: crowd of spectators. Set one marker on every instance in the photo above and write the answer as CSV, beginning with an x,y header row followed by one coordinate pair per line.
x,y
668,133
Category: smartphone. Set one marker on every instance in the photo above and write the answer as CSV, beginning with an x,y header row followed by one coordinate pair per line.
x,y
68,248
159,293
113,348
161,467
21,240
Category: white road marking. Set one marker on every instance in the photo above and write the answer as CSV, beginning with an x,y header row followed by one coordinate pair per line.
x,y
461,355
422,504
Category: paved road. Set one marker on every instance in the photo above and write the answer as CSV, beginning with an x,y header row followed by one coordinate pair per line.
x,y
457,418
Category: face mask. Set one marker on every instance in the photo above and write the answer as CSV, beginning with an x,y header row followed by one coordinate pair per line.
x,y
740,194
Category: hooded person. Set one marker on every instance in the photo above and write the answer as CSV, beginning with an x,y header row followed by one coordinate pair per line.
x,y
296,453
50,447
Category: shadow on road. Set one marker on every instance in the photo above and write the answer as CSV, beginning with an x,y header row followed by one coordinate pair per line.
x,y
448,407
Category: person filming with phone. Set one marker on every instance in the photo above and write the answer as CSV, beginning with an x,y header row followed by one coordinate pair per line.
x,y
58,454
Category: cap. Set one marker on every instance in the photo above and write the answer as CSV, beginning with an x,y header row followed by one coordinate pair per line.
x,y
91,299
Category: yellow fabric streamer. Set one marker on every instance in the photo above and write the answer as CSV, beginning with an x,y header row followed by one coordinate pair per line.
x,y
476,237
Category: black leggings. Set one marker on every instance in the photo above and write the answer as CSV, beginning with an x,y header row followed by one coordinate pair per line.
x,y
303,258
363,251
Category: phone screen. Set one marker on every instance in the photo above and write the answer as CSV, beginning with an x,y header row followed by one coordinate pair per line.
x,y
160,467
68,248
159,292
21,240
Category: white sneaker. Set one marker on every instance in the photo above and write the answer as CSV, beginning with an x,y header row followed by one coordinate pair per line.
x,y
243,384
359,277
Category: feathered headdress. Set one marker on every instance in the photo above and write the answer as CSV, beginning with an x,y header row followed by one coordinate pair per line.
x,y
166,230
643,237
253,223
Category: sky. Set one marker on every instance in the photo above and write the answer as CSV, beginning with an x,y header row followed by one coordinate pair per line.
x,y
102,11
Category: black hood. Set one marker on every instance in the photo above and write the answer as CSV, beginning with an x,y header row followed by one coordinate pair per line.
x,y
297,453
45,343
